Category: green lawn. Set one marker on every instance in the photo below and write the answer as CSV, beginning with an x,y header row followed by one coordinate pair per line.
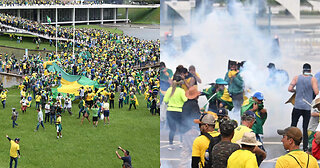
x,y
141,16
82,145
26,43
112,30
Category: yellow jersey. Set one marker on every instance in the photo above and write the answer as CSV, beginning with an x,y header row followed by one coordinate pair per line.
x,y
238,133
200,145
14,148
242,159
287,161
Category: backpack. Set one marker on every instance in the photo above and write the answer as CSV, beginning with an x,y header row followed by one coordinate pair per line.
x,y
112,96
213,141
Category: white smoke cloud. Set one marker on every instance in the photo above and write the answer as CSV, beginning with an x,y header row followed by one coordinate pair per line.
x,y
222,36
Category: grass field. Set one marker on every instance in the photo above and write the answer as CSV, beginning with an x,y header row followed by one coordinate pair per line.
x,y
82,145
26,43
142,16
111,30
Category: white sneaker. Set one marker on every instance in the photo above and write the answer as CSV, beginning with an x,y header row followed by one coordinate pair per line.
x,y
60,136
171,148
57,137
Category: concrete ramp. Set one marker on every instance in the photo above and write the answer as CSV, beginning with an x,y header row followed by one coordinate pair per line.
x,y
293,7
183,8
315,5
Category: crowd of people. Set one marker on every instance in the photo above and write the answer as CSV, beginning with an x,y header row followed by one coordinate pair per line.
x,y
96,43
114,61
232,142
55,2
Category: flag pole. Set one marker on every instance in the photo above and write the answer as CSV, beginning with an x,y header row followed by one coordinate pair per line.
x,y
74,28
56,31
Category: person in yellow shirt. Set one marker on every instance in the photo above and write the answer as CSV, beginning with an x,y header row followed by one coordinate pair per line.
x,y
38,99
244,157
292,137
14,151
3,97
201,143
247,121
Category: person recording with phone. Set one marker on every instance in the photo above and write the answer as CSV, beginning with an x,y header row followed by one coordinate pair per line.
x,y
127,158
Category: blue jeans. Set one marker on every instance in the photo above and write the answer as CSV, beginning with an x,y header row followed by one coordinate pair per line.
x,y
41,122
37,105
14,123
52,117
174,122
15,162
80,111
4,103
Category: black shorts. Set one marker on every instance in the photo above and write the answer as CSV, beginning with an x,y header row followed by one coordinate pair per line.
x,y
94,118
106,113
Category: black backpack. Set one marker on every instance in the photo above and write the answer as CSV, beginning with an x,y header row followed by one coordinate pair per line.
x,y
112,95
213,141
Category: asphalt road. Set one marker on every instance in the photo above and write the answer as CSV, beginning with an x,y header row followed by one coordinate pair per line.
x,y
172,159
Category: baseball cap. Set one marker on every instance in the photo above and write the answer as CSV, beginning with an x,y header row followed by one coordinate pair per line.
x,y
307,67
220,81
17,139
227,126
292,132
271,65
205,119
222,112
248,115
258,95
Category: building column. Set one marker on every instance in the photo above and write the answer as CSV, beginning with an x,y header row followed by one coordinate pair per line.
x,y
115,16
18,13
127,15
38,15
101,15
73,16
88,15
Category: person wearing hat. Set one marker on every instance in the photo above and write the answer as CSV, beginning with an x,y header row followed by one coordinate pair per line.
x,y
214,95
255,104
58,126
225,147
245,157
235,86
222,114
14,151
190,109
292,137
305,87
174,98
247,121
201,143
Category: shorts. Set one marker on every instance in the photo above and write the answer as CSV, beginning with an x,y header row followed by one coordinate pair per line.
x,y
59,128
23,108
106,113
85,114
94,118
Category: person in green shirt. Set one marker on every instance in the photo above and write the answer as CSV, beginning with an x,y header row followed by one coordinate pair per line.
x,y
132,101
94,111
86,113
81,106
255,105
